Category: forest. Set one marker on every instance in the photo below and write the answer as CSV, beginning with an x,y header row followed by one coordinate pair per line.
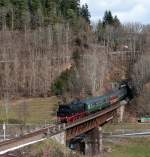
x,y
24,14
36,37
51,47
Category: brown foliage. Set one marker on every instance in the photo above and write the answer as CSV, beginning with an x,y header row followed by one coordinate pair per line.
x,y
31,60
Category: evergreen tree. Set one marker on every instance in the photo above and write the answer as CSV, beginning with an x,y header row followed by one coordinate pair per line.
x,y
19,14
85,13
35,8
50,6
50,12
108,18
116,21
4,3
4,7
66,5
75,5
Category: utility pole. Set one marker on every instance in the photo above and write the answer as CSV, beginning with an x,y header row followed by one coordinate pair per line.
x,y
4,129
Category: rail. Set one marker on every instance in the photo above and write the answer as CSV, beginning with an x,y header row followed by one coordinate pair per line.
x,y
51,130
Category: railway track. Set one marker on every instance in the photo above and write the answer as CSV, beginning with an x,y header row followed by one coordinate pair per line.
x,y
30,138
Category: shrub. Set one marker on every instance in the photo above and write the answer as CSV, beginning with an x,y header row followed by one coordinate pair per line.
x,y
64,83
58,87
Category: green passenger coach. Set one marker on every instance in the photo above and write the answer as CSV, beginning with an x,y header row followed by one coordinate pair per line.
x,y
98,104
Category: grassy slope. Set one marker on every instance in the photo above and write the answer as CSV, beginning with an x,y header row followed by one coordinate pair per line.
x,y
132,147
135,147
37,109
48,148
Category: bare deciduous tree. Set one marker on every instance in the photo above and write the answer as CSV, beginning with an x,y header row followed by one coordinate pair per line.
x,y
31,60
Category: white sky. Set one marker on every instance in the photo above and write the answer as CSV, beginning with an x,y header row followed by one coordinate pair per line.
x,y
126,10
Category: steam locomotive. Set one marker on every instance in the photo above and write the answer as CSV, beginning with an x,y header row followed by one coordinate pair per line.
x,y
78,109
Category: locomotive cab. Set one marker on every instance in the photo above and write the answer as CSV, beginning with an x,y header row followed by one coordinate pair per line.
x,y
63,112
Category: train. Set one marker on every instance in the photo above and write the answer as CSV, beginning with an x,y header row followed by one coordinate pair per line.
x,y
68,113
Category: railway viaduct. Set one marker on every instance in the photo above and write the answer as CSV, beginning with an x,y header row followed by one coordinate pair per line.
x,y
91,126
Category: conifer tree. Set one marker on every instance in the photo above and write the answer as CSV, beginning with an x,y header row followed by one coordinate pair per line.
x,y
19,13
50,11
4,3
3,12
66,5
85,13
35,8
116,21
108,18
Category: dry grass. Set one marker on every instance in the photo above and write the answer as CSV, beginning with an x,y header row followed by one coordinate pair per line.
x,y
135,147
48,148
36,110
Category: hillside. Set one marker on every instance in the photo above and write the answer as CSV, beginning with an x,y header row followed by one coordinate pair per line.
x,y
47,148
51,53
49,48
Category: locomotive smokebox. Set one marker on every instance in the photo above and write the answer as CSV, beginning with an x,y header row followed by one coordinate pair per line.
x,y
130,89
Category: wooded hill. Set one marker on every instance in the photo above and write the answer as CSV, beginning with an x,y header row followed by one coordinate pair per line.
x,y
36,43
50,47
23,14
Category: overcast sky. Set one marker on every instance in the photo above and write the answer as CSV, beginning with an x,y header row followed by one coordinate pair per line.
x,y
126,10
